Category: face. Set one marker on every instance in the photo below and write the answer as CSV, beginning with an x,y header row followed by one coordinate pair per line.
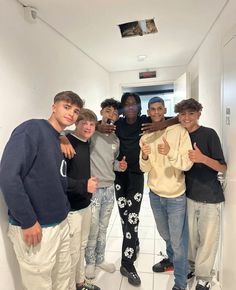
x,y
156,111
130,108
109,113
189,120
65,114
85,129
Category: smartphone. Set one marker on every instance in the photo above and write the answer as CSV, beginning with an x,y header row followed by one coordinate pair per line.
x,y
110,122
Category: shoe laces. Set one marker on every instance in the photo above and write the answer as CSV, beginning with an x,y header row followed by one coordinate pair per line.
x,y
205,284
88,286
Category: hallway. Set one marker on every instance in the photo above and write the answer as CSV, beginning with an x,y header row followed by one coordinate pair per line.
x,y
152,249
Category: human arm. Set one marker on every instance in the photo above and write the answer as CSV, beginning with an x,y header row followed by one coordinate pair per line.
x,y
17,160
33,235
156,126
177,149
105,128
196,156
66,148
123,164
145,151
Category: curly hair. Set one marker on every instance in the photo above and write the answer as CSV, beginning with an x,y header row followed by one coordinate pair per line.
x,y
188,105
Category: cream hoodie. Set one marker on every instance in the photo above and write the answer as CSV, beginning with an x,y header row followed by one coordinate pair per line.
x,y
165,172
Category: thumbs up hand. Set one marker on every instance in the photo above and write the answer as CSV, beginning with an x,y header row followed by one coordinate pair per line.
x,y
123,164
163,148
146,150
196,155
92,184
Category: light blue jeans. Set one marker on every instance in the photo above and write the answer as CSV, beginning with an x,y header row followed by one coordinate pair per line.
x,y
204,220
102,204
171,219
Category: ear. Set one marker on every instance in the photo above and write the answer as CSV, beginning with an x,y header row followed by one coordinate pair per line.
x,y
54,108
148,112
165,110
101,112
199,114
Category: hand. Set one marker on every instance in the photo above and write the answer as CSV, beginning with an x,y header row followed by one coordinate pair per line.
x,y
33,235
146,150
106,128
152,127
164,147
123,164
92,184
66,148
196,155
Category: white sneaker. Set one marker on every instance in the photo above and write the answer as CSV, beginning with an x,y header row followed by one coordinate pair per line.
x,y
108,267
203,285
90,271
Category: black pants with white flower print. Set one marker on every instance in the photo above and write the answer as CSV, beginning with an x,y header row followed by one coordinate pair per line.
x,y
129,194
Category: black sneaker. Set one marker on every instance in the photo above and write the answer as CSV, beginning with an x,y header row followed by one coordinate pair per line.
x,y
190,275
203,285
163,266
178,288
87,286
133,277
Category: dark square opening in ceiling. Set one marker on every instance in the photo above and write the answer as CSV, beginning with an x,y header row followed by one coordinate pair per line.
x,y
138,28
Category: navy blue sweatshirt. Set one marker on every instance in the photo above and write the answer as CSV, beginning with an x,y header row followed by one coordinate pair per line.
x,y
33,175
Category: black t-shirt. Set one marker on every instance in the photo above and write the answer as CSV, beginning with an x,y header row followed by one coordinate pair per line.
x,y
129,135
201,181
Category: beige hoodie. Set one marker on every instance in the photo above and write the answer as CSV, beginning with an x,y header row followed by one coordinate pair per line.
x,y
165,172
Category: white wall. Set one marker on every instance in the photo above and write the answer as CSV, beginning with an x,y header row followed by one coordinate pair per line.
x,y
206,70
35,64
131,78
206,67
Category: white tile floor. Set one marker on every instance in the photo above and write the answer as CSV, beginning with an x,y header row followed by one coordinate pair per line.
x,y
152,247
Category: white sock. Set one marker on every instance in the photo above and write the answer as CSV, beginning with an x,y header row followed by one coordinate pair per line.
x,y
90,271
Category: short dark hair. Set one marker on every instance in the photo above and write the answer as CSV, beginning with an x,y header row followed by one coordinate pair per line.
x,y
110,103
70,97
137,99
188,105
87,115
156,100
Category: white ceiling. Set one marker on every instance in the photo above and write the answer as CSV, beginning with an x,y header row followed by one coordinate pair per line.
x,y
92,26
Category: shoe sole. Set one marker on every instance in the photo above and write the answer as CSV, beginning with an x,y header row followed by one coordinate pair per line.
x,y
125,273
167,269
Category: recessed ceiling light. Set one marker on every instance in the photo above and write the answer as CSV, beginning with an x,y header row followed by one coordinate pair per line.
x,y
141,57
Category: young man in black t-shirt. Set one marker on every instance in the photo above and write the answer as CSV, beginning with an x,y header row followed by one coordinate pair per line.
x,y
204,192
81,186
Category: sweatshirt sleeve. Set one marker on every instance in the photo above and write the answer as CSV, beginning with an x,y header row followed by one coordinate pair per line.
x,y
17,160
178,157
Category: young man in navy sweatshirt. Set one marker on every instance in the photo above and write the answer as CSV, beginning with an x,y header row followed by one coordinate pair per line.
x,y
33,182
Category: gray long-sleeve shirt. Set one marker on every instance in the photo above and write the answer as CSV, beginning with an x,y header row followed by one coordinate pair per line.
x,y
104,149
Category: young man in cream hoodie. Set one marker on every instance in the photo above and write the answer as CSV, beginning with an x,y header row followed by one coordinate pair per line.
x,y
164,156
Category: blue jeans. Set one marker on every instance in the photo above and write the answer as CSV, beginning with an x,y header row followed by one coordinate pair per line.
x,y
102,203
171,219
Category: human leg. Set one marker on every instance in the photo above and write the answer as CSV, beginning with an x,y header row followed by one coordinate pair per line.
x,y
85,229
209,233
159,210
90,251
107,205
75,222
178,228
38,265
